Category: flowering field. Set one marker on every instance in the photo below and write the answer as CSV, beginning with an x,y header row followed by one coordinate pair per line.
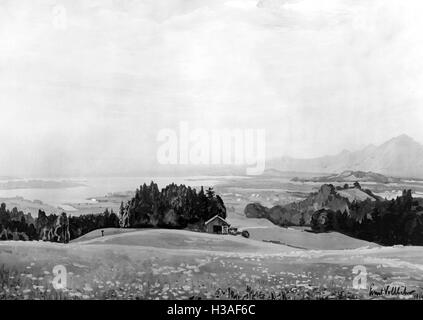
x,y
110,269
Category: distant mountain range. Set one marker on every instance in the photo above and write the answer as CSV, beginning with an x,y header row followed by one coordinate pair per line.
x,y
401,156
351,176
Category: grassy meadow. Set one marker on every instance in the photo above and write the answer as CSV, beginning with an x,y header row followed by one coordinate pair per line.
x,y
150,264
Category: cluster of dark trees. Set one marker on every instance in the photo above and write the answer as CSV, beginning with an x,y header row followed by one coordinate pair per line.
x,y
15,225
347,186
172,207
175,206
387,222
80,225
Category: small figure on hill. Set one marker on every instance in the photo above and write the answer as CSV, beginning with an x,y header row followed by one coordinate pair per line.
x,y
302,220
102,233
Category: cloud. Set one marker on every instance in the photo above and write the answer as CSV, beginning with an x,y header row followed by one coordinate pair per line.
x,y
119,71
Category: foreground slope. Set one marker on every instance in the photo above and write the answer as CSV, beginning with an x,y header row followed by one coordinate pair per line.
x,y
133,265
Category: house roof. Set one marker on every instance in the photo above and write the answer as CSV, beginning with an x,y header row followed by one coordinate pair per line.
x,y
218,217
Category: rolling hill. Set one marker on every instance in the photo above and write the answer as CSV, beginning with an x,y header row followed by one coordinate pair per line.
x,y
326,198
181,240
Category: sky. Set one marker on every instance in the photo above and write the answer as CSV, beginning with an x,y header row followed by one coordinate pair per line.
x,y
86,85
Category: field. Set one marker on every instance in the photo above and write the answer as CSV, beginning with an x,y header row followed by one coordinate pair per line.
x,y
301,238
176,264
274,263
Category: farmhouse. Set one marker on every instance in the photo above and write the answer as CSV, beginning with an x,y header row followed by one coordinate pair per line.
x,y
217,225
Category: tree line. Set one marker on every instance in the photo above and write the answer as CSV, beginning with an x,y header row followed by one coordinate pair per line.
x,y
175,206
387,222
15,225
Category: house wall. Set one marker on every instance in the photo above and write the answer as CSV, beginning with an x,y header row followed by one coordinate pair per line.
x,y
215,222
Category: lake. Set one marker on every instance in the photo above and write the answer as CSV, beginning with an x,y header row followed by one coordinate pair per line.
x,y
97,187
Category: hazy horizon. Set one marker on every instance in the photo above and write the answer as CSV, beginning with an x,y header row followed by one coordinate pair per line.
x,y
85,86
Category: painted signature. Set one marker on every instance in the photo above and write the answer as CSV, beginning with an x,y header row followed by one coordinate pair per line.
x,y
392,289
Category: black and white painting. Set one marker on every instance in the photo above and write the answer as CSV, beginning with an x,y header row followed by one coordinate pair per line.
x,y
211,149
